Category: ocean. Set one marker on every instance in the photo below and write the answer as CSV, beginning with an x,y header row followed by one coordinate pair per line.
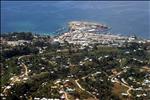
x,y
45,17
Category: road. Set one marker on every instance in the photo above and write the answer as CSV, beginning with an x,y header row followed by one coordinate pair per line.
x,y
66,96
76,81
25,67
17,78
113,79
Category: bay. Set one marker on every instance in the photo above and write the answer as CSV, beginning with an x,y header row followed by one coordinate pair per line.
x,y
125,17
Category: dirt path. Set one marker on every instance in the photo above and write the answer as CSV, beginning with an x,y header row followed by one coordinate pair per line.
x,y
129,88
76,81
26,69
17,78
66,96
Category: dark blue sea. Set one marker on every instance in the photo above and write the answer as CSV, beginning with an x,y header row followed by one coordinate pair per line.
x,y
125,17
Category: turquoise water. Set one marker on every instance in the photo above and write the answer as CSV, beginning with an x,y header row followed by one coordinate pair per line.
x,y
125,17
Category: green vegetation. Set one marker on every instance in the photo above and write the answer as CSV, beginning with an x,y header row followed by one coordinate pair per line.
x,y
49,62
9,68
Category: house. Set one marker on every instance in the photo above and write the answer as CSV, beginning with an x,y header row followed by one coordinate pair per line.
x,y
124,94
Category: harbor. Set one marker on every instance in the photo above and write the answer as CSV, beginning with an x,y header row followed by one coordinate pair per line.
x,y
80,32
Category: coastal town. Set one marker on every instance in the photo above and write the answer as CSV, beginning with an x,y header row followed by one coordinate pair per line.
x,y
86,62
91,33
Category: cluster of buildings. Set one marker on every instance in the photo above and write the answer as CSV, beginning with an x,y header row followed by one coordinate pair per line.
x,y
85,33
87,26
14,42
